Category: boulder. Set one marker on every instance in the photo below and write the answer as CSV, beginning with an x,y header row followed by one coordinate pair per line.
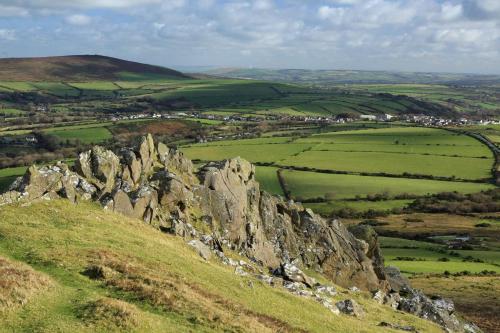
x,y
290,272
202,249
397,281
350,307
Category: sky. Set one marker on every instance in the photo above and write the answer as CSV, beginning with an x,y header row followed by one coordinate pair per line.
x,y
396,35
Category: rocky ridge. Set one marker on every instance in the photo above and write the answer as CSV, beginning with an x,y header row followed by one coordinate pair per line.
x,y
221,207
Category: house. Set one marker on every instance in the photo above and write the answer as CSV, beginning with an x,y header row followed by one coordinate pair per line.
x,y
368,117
384,117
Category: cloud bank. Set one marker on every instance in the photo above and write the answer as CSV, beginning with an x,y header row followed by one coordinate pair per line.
x,y
413,35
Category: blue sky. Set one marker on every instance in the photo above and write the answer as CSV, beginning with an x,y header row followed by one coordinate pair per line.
x,y
407,35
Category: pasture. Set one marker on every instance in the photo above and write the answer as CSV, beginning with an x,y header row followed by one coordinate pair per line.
x,y
84,135
343,167
306,185
415,258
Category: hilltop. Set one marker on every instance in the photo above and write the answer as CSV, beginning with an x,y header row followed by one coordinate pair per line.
x,y
243,260
80,68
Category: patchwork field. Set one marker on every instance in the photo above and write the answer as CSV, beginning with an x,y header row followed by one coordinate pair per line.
x,y
342,169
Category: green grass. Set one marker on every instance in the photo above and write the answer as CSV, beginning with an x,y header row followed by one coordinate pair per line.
x,y
8,175
12,112
252,153
438,267
428,255
59,240
480,151
268,179
96,85
374,162
311,185
85,135
17,85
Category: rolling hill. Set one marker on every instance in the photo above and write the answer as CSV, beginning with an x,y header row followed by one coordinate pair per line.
x,y
331,77
81,68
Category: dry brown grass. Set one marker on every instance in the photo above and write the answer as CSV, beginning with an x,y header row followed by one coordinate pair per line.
x,y
19,283
173,293
110,313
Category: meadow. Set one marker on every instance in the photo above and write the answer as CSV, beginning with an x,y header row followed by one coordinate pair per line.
x,y
342,168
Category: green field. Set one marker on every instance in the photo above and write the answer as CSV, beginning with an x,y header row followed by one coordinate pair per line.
x,y
311,185
398,164
254,153
8,175
84,135
403,151
268,180
433,258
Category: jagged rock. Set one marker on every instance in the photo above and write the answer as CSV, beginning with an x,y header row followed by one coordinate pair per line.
x,y
471,328
327,290
132,166
121,203
147,153
354,289
379,296
350,307
292,273
372,251
265,278
202,249
439,311
145,202
396,280
240,271
293,286
99,167
328,304
392,299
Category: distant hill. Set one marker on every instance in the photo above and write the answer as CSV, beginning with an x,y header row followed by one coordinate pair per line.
x,y
329,77
80,68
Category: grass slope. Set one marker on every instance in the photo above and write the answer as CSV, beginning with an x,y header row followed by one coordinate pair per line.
x,y
153,282
80,68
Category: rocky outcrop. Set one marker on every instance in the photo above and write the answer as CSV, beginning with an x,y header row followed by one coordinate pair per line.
x,y
221,206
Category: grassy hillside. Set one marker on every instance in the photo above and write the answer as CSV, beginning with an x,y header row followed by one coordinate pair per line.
x,y
80,68
151,282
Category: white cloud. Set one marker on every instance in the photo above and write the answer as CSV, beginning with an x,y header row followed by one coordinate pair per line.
x,y
78,19
263,4
451,11
7,11
6,34
489,5
378,34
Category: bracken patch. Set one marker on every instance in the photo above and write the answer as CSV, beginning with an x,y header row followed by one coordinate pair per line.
x,y
110,313
19,283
